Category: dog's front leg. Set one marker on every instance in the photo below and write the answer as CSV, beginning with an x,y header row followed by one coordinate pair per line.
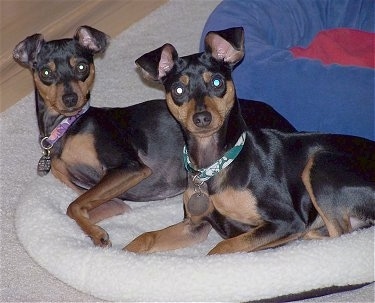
x,y
262,237
112,185
180,235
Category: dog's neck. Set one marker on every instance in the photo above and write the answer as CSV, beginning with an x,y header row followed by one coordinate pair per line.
x,y
50,121
205,151
47,119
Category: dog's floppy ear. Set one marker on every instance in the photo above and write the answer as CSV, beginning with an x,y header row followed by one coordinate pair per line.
x,y
27,50
226,45
92,39
156,64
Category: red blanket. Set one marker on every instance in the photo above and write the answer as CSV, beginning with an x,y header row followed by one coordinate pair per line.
x,y
341,46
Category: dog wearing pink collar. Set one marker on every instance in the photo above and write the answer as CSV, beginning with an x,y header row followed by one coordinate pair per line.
x,y
105,154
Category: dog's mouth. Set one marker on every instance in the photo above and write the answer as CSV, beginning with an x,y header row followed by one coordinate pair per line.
x,y
205,131
72,111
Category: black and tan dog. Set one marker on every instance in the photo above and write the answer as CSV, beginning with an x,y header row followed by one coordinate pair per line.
x,y
258,188
131,153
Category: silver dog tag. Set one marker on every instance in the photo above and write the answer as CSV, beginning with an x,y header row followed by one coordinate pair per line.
x,y
44,165
198,204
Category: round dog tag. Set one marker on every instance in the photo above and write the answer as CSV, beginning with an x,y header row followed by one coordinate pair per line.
x,y
198,204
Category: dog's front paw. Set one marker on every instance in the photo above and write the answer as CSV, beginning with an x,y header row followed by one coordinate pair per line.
x,y
100,237
141,244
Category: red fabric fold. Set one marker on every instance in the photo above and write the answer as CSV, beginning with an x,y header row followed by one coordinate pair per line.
x,y
341,46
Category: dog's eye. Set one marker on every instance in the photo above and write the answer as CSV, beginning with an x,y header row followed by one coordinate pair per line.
x,y
179,92
45,73
82,68
178,89
217,81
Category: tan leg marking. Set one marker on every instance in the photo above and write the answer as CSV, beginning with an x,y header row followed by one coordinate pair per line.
x,y
114,207
191,231
180,235
112,185
314,234
306,179
243,243
280,242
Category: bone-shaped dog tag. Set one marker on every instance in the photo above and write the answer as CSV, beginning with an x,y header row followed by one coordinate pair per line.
x,y
44,165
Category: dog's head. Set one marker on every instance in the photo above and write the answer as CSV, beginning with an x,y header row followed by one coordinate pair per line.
x,y
199,88
63,70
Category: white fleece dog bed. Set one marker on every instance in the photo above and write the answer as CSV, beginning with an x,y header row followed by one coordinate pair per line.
x,y
55,242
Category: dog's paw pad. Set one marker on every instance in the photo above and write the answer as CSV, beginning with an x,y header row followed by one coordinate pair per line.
x,y
100,237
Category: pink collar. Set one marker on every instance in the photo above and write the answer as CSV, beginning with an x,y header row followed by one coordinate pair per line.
x,y
47,142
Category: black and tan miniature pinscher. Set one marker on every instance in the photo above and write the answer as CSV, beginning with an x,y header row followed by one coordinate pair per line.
x,y
106,154
258,188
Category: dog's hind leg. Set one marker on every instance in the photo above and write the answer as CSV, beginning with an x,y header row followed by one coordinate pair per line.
x,y
340,187
112,185
114,207
266,235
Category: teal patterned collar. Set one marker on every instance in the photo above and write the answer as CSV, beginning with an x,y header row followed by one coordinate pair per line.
x,y
206,173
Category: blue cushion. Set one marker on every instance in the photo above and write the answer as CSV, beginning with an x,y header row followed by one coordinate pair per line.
x,y
313,96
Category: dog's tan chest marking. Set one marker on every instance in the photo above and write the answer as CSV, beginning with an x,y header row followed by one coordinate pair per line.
x,y
237,205
80,149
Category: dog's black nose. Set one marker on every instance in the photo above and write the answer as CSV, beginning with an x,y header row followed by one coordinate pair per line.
x,y
202,119
70,99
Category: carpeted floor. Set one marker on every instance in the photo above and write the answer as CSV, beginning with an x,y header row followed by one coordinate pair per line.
x,y
117,84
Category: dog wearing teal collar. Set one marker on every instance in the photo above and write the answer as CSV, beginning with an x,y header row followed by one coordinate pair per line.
x,y
257,187
106,154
